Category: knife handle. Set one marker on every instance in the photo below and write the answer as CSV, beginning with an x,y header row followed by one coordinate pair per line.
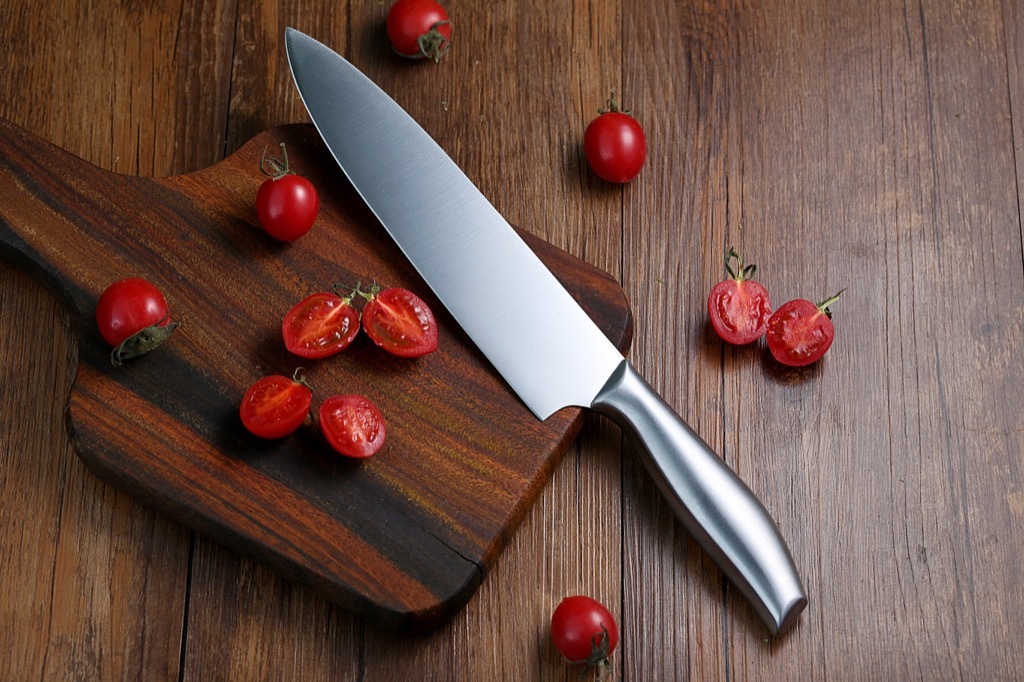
x,y
716,507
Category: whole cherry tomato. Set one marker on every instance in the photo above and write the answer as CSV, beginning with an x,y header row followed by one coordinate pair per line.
x,y
286,204
419,29
584,631
352,425
800,332
132,317
276,406
739,307
320,325
615,144
400,322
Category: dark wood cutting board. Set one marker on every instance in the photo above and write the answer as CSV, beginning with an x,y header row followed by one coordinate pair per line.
x,y
404,538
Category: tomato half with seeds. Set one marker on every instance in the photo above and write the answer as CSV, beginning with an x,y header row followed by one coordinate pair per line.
x,y
275,406
739,307
400,322
801,332
320,325
353,425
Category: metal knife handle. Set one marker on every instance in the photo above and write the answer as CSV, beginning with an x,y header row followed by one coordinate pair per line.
x,y
716,507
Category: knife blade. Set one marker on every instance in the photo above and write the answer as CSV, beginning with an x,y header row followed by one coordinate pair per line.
x,y
490,281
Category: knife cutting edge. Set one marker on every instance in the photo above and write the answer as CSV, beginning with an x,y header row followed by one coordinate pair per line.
x,y
480,268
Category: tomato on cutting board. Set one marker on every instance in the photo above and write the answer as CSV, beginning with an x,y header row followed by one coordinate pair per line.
x,y
276,406
399,321
320,325
353,425
286,204
132,317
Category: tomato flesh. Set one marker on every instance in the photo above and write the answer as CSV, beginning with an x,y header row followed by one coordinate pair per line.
x,y
275,406
419,29
352,425
287,206
584,631
320,325
615,146
739,310
400,322
799,333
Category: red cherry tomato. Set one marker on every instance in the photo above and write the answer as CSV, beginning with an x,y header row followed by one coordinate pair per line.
x,y
419,29
286,204
615,145
584,631
400,322
275,406
132,317
739,307
320,325
353,425
800,332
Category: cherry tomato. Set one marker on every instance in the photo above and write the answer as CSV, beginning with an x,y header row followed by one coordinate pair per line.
x,y
286,204
353,425
400,322
584,631
419,29
275,406
615,144
800,332
132,317
739,307
320,325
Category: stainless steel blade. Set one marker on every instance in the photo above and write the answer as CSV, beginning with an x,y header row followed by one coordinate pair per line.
x,y
461,246
492,283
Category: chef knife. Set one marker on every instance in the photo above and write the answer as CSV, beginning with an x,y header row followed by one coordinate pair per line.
x,y
490,281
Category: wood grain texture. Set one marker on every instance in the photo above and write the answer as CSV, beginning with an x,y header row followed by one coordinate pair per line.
x,y
402,539
872,145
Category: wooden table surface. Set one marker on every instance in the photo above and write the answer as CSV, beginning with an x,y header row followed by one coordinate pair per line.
x,y
865,144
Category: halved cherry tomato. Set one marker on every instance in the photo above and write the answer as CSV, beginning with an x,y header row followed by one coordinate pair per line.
x,y
584,631
419,29
320,325
286,204
132,317
800,332
353,425
276,406
739,307
615,144
400,322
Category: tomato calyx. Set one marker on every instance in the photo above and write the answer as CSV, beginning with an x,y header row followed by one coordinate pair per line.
x,y
273,167
742,272
433,44
825,305
613,106
143,341
600,650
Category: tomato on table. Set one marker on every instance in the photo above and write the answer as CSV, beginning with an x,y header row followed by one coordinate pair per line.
x,y
352,425
801,332
320,325
276,406
419,29
286,204
739,307
615,145
132,317
584,631
400,322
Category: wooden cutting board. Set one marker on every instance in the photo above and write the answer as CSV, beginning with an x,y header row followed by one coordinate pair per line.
x,y
402,539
